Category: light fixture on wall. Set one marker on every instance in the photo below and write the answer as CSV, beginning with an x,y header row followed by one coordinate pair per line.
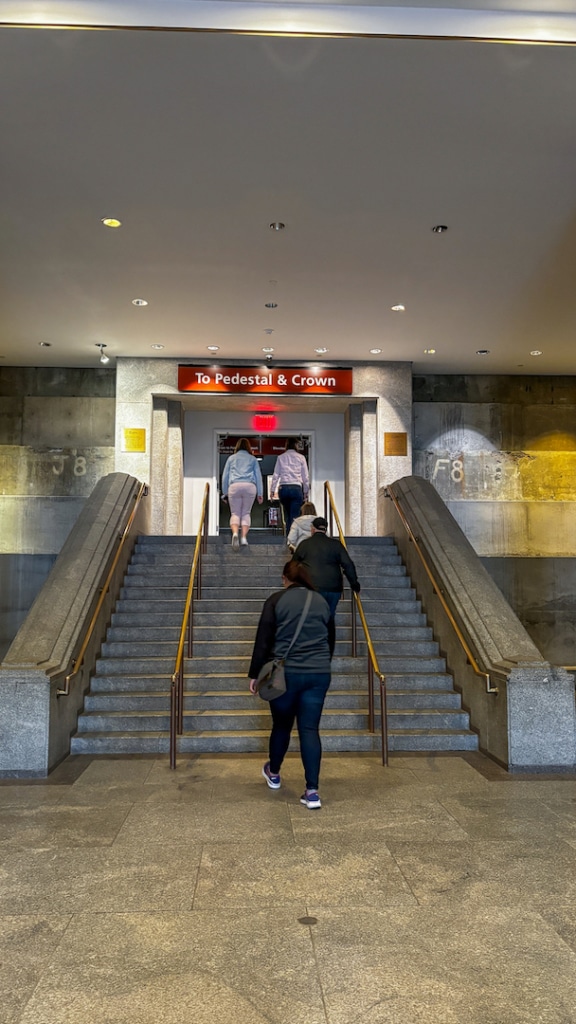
x,y
103,357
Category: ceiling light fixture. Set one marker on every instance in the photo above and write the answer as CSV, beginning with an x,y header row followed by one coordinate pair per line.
x,y
268,331
536,352
320,351
429,351
482,351
439,229
139,302
157,346
213,348
268,350
277,225
45,344
271,305
103,357
375,351
111,222
398,309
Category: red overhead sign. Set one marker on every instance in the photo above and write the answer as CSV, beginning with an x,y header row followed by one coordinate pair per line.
x,y
265,380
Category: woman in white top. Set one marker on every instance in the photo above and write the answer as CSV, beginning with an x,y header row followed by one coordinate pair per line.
x,y
241,483
301,528
290,481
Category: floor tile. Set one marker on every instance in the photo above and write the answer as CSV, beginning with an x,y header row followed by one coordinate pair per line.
x,y
104,880
107,772
493,872
355,873
230,822
443,964
402,821
27,944
59,826
249,968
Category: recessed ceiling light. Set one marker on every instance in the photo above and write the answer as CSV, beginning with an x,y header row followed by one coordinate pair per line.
x,y
45,344
429,351
375,351
482,351
439,229
139,302
156,346
213,348
103,357
267,349
320,351
536,352
111,222
271,305
398,309
277,225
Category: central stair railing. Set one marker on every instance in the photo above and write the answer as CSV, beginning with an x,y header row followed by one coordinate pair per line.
x,y
187,630
331,514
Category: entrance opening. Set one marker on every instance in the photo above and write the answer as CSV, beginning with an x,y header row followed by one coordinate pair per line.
x,y
266,448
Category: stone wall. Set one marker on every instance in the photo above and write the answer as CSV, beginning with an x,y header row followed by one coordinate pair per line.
x,y
56,442
501,451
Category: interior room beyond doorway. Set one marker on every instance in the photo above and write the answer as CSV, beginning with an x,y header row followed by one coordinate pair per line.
x,y
266,448
203,429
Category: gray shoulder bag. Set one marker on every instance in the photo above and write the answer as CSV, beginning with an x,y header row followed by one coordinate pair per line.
x,y
271,681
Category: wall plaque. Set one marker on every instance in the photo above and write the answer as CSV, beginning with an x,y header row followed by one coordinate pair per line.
x,y
265,380
134,439
396,444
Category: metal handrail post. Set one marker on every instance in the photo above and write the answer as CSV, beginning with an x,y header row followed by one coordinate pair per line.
x,y
191,626
371,715
181,700
173,718
354,633
186,628
384,721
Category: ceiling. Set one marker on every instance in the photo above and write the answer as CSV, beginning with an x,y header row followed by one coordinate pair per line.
x,y
197,142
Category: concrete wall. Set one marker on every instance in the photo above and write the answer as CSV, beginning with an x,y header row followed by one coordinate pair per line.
x,y
542,592
501,451
56,442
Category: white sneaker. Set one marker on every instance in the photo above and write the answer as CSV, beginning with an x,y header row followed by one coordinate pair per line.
x,y
244,542
235,543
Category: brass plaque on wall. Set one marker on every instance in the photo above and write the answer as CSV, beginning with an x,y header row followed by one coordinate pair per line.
x,y
134,439
395,444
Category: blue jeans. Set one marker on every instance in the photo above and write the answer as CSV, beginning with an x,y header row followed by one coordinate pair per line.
x,y
332,597
303,701
291,498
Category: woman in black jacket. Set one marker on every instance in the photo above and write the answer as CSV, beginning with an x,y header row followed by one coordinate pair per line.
x,y
307,672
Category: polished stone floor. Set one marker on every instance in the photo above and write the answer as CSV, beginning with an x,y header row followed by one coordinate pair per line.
x,y
438,890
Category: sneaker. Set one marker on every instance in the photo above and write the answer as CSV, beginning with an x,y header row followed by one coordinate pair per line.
x,y
272,780
311,799
244,542
235,542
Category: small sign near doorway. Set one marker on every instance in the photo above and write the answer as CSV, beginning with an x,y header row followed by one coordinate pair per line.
x,y
396,444
134,439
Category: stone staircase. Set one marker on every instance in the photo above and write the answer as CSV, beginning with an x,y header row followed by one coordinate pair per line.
x,y
127,708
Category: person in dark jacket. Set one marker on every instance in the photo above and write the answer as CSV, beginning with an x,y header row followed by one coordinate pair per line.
x,y
307,673
326,559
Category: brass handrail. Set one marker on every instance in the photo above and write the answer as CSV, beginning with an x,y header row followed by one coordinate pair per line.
x,y
177,680
331,514
77,663
436,589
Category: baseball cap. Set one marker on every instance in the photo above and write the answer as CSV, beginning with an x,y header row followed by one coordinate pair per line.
x,y
320,523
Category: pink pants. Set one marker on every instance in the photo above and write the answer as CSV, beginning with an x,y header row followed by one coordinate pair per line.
x,y
241,498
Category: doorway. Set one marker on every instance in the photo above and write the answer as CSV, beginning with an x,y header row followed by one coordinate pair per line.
x,y
266,448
